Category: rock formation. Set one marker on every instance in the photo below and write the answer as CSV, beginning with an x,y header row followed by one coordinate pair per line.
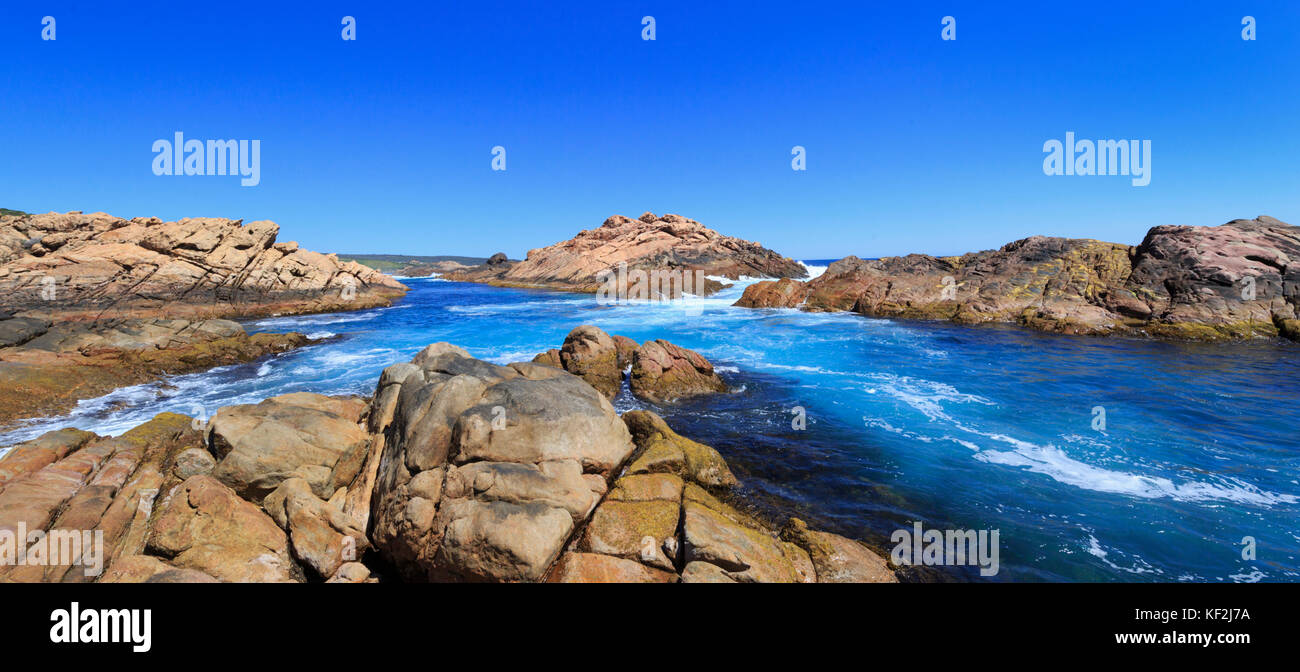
x,y
1238,280
45,369
456,470
78,264
670,243
659,371
664,372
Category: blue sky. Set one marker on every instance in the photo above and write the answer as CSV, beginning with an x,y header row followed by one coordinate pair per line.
x,y
914,144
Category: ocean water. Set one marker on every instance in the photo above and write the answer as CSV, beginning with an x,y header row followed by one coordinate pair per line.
x,y
973,428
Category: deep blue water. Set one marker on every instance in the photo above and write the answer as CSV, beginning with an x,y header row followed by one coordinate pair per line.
x,y
957,427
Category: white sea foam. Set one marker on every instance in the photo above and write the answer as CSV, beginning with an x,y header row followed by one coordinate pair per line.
x,y
1053,462
813,271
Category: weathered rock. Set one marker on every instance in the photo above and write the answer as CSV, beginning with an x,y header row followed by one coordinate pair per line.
x,y
838,559
193,462
148,569
783,293
596,568
48,448
351,572
92,483
487,470
303,435
592,355
72,361
1238,280
705,572
743,553
668,244
322,537
196,266
634,530
626,349
664,372
204,525
549,358
663,450
19,330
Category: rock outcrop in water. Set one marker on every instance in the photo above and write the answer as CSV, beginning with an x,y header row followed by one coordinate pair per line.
x,y
658,370
45,369
77,264
456,470
1238,280
132,300
670,243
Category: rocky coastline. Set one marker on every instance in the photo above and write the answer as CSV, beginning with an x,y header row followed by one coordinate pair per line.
x,y
666,244
455,470
1238,280
95,302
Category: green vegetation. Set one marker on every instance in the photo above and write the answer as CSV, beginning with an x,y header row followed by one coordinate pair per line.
x,y
7,211
388,263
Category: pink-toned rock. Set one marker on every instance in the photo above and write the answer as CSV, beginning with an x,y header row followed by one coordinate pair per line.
x,y
649,243
663,372
193,266
1187,282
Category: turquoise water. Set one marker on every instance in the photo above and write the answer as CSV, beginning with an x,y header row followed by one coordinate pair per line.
x,y
957,427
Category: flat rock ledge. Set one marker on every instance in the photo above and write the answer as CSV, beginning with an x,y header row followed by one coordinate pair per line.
x,y
456,470
45,368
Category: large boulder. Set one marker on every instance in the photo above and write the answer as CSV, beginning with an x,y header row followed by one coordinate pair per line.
x,y
299,435
321,536
487,470
592,355
203,525
783,293
663,372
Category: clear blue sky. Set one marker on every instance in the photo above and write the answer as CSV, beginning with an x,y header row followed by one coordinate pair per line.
x,y
914,143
